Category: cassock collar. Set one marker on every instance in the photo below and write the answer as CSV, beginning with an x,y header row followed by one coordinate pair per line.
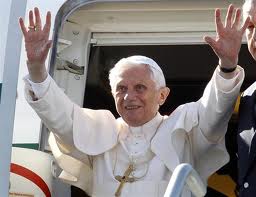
x,y
149,129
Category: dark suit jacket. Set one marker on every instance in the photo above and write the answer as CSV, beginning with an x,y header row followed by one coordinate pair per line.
x,y
247,143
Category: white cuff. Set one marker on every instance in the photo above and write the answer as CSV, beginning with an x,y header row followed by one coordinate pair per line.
x,y
226,85
39,89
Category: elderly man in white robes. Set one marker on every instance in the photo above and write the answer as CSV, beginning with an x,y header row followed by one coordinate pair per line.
x,y
142,143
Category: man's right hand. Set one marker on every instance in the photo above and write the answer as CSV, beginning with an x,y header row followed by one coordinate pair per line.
x,y
37,44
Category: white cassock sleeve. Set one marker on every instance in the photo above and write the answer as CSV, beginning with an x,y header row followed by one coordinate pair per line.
x,y
217,103
89,131
214,112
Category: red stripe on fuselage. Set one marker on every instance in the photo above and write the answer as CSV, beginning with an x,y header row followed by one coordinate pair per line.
x,y
30,175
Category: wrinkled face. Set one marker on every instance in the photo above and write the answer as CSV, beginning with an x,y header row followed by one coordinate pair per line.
x,y
250,11
136,96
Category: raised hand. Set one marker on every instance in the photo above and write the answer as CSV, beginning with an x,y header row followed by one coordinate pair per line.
x,y
228,40
37,44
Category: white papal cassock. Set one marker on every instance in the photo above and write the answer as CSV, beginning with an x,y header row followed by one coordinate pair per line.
x,y
105,146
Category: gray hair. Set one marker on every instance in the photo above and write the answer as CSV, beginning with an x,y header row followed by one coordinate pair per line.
x,y
137,60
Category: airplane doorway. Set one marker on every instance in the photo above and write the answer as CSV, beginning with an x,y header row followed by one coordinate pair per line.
x,y
187,69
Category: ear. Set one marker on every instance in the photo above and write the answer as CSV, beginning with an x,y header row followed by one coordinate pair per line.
x,y
164,92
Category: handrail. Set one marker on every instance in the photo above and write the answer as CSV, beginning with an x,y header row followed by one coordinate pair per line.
x,y
185,174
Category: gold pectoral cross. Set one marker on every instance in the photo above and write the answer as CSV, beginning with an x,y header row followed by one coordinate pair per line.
x,y
124,179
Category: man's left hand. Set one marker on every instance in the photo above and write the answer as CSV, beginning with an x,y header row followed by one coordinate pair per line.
x,y
228,40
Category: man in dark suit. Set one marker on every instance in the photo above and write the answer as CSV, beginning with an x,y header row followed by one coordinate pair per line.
x,y
246,137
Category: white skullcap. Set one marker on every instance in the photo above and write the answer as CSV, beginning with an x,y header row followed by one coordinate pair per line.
x,y
157,72
139,59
